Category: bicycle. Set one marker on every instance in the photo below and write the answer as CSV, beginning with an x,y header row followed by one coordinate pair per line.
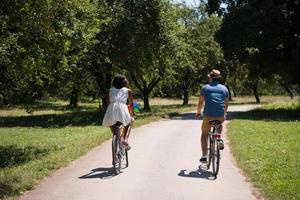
x,y
119,152
214,139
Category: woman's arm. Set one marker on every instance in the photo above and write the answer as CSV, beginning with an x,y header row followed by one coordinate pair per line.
x,y
130,102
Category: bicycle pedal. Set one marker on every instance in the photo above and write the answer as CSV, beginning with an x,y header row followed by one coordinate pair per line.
x,y
203,167
221,145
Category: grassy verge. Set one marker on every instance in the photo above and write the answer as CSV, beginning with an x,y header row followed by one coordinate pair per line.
x,y
36,142
265,143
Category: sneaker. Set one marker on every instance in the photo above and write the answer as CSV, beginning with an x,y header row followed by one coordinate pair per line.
x,y
221,144
203,158
126,145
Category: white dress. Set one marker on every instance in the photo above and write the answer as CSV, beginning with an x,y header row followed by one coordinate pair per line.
x,y
117,109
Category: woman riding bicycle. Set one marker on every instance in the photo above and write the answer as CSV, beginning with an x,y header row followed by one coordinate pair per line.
x,y
118,111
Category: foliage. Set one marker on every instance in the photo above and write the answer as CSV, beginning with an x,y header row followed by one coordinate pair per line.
x,y
41,43
68,49
151,55
132,39
265,36
24,27
197,52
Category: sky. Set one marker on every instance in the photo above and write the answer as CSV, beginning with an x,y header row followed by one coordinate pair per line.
x,y
189,2
194,3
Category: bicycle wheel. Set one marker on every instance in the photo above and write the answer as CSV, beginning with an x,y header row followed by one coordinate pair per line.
x,y
209,151
215,158
123,149
116,154
126,155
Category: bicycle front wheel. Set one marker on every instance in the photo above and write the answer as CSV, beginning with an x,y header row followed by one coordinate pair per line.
x,y
210,151
215,158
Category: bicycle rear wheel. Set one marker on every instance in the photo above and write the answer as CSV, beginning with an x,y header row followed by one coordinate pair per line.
x,y
116,155
126,155
215,158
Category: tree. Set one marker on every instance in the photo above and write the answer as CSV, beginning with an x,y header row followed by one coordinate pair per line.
x,y
41,43
151,50
263,35
24,45
77,23
131,39
112,44
187,55
197,51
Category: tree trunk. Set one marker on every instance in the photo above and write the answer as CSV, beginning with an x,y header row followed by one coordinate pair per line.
x,y
103,79
185,97
255,92
3,100
104,102
234,92
285,86
186,85
74,97
145,88
108,78
94,96
229,92
146,100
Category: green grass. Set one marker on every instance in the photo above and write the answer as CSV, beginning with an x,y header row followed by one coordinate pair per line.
x,y
36,141
266,144
47,136
29,154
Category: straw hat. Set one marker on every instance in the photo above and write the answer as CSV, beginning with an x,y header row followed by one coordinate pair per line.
x,y
214,74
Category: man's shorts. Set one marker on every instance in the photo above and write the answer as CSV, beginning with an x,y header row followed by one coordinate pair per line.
x,y
205,124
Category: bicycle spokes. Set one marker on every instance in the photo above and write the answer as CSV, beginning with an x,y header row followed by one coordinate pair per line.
x,y
214,150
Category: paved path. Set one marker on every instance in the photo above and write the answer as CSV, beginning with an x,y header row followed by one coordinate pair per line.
x,y
163,165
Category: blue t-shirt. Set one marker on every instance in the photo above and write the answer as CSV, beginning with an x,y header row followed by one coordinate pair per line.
x,y
215,95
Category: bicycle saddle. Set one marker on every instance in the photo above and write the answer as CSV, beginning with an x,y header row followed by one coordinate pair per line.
x,y
118,124
215,122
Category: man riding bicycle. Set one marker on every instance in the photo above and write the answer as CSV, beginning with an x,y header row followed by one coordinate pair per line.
x,y
215,96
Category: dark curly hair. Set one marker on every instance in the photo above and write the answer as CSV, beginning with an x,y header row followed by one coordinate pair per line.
x,y
119,81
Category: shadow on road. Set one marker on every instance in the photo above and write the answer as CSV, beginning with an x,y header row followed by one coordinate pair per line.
x,y
184,116
103,173
191,116
196,174
258,114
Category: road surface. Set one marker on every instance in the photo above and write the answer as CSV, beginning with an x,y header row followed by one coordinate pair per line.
x,y
163,165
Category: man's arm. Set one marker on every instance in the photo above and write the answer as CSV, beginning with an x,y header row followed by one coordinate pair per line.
x,y
199,107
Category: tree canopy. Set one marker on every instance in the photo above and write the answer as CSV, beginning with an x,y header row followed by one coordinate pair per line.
x,y
69,49
263,35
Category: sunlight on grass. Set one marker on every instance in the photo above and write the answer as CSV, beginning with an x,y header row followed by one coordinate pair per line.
x,y
37,140
36,152
35,144
267,149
